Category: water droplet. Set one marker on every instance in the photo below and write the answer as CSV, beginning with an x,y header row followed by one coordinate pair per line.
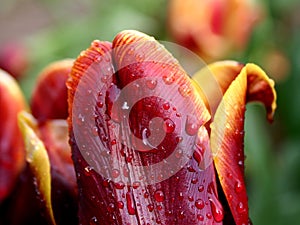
x,y
208,215
191,198
111,207
115,173
80,119
238,187
119,185
178,153
229,175
199,203
169,126
93,220
200,217
159,207
100,104
150,207
151,84
120,204
136,184
181,215
166,106
130,204
216,209
159,196
194,180
201,188
192,126
87,170
241,208
113,142
240,163
168,79
178,139
184,90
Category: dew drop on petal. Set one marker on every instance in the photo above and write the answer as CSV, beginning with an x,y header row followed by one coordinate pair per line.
x,y
199,203
169,126
217,210
120,204
241,208
159,196
93,220
130,204
151,84
191,126
238,187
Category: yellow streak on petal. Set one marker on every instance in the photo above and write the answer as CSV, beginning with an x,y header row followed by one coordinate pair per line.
x,y
37,157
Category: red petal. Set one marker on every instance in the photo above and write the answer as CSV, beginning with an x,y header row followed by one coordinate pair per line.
x,y
121,172
49,98
12,151
227,134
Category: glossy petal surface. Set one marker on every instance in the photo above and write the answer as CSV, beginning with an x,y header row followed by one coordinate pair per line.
x,y
12,152
145,83
227,133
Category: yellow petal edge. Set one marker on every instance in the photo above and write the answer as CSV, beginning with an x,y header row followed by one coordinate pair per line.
x,y
37,157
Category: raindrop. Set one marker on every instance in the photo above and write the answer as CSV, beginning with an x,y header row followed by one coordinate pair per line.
x,y
115,173
238,187
151,84
194,180
208,215
87,170
100,104
119,185
111,207
166,106
199,203
201,188
191,126
184,90
217,209
120,204
150,207
168,79
241,208
181,215
130,204
136,184
159,196
200,217
169,126
93,220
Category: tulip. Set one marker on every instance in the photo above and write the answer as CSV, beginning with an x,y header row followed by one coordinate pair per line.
x,y
150,145
213,29
48,173
12,152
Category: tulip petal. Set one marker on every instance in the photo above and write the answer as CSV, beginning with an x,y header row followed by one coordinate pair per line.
x,y
115,156
227,133
51,85
37,157
12,151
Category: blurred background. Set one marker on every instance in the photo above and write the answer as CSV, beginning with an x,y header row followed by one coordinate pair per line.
x,y
34,33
